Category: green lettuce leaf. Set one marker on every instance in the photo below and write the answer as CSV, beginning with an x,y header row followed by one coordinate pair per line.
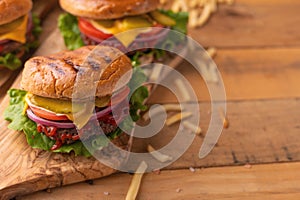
x,y
20,122
37,29
181,19
10,61
140,94
68,26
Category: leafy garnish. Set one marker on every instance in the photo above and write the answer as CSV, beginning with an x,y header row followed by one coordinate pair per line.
x,y
181,19
20,122
140,94
10,61
68,26
37,29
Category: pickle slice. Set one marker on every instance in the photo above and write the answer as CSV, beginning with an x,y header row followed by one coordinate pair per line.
x,y
135,22
102,102
55,105
64,106
162,18
105,23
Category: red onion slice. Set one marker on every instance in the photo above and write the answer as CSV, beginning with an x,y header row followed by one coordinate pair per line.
x,y
142,41
97,115
4,41
49,123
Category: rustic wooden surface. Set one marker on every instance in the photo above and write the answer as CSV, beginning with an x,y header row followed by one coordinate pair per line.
x,y
258,56
274,181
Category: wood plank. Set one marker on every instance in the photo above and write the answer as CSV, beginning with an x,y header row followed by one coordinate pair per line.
x,y
255,23
273,181
261,131
247,74
271,141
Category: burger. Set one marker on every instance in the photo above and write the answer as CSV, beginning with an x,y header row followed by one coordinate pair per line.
x,y
103,21
18,32
46,108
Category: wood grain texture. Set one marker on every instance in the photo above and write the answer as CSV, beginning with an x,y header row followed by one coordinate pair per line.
x,y
273,181
248,74
24,170
263,110
255,23
260,131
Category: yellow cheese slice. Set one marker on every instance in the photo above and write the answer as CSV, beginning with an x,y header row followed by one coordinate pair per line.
x,y
19,34
117,30
127,38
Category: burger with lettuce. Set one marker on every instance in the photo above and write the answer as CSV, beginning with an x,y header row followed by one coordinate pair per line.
x,y
101,21
18,32
46,109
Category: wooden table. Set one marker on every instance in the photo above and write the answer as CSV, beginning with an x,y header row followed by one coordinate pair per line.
x,y
258,156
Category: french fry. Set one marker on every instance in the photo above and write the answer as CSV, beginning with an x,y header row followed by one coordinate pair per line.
x,y
154,112
211,51
192,127
204,15
193,3
193,21
179,5
172,107
158,155
156,72
136,182
229,2
168,107
225,119
205,73
183,90
213,5
202,2
163,2
198,16
177,117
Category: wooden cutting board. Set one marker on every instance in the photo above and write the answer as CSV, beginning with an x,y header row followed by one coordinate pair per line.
x,y
25,170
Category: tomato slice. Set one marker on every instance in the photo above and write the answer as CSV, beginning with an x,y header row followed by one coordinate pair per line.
x,y
48,115
117,98
88,29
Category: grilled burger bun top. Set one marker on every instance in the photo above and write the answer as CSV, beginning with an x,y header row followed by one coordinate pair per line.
x,y
108,9
13,9
54,76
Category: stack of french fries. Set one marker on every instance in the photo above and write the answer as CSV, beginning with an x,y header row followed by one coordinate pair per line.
x,y
200,10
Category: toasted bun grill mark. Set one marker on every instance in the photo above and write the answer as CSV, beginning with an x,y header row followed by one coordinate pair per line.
x,y
108,9
54,76
13,9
